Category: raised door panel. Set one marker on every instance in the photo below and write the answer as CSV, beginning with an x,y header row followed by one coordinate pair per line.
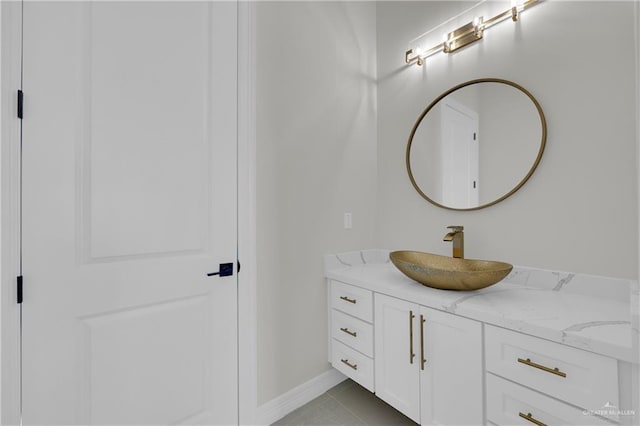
x,y
132,118
397,378
451,380
127,349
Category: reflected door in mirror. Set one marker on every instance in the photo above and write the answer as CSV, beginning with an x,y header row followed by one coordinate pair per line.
x,y
460,155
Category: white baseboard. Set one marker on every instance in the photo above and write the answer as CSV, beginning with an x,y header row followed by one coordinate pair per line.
x,y
272,411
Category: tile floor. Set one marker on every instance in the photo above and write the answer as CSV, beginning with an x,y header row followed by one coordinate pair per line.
x,y
346,404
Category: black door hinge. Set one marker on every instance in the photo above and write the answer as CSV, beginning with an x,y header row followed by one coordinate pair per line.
x,y
474,136
20,103
19,289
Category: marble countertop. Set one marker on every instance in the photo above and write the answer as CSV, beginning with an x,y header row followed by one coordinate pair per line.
x,y
587,312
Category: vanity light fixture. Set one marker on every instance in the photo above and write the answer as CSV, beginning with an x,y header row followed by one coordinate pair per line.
x,y
468,33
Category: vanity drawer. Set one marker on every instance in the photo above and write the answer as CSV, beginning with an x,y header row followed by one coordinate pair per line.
x,y
352,300
352,332
512,404
353,364
579,377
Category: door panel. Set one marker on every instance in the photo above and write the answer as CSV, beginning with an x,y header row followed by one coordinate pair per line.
x,y
169,337
397,377
129,200
134,117
451,384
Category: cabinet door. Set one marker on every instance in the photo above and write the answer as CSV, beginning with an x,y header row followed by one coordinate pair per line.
x,y
397,378
451,378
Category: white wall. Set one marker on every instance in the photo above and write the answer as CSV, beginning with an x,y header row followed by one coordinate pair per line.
x,y
579,211
316,159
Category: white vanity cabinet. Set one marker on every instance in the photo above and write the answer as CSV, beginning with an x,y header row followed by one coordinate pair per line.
x,y
521,352
428,363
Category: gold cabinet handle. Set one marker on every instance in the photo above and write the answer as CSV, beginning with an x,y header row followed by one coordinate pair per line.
x,y
348,364
411,354
346,299
530,363
530,418
350,333
422,358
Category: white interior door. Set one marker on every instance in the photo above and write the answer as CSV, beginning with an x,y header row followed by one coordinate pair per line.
x,y
460,156
129,200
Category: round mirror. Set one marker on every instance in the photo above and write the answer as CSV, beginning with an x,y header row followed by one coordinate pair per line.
x,y
476,144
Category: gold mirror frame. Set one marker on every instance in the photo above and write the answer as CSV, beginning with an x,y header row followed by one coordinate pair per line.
x,y
543,142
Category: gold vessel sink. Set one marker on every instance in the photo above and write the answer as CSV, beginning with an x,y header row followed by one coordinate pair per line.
x,y
449,273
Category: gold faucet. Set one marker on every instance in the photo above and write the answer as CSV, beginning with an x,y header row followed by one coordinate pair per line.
x,y
457,236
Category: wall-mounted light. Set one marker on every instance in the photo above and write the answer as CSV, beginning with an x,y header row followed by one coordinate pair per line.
x,y
464,35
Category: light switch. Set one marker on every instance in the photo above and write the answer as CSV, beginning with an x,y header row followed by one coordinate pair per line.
x,y
348,223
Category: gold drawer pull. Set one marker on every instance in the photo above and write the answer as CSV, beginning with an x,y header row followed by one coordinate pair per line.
x,y
350,333
346,299
411,354
530,418
555,371
422,358
348,364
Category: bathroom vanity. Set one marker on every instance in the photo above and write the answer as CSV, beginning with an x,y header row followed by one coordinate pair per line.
x,y
538,348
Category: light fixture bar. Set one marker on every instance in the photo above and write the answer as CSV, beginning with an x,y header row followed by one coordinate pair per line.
x,y
467,34
463,36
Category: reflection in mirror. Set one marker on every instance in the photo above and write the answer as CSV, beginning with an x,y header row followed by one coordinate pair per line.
x,y
476,144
